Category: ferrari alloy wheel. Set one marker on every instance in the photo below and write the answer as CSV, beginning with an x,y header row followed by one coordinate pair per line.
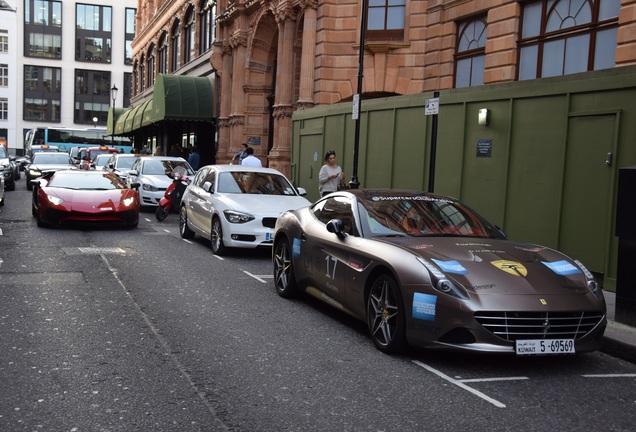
x,y
216,237
284,279
385,315
185,232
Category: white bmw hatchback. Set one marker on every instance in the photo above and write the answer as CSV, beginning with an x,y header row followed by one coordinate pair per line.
x,y
236,206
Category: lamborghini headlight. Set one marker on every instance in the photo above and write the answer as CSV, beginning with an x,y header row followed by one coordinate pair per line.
x,y
441,283
54,200
128,201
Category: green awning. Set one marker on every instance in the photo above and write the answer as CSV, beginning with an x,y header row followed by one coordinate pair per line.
x,y
113,115
182,98
174,98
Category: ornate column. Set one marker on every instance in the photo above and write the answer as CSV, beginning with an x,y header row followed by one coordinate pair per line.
x,y
224,151
238,43
307,67
279,157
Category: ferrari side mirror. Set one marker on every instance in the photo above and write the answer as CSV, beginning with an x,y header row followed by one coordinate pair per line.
x,y
336,226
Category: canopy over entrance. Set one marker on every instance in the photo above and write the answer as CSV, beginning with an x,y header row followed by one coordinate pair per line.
x,y
174,97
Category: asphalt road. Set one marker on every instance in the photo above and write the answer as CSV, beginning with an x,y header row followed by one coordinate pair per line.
x,y
139,330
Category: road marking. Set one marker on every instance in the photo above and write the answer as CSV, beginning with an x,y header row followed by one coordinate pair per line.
x,y
168,231
610,376
218,257
260,278
0,231
493,379
186,240
461,385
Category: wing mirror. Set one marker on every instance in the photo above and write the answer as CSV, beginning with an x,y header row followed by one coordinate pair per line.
x,y
336,226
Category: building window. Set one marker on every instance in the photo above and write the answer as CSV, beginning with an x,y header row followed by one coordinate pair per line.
x,y
135,81
4,109
206,25
163,53
142,73
4,75
189,35
42,93
93,31
4,41
175,46
43,29
130,35
567,36
471,53
385,20
92,96
150,66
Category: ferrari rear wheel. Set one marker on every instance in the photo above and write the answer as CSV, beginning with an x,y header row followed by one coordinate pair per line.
x,y
385,315
185,232
284,278
216,237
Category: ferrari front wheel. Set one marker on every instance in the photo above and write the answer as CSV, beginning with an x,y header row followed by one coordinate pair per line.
x,y
385,315
284,269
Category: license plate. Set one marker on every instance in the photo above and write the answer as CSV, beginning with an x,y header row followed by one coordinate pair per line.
x,y
544,346
269,236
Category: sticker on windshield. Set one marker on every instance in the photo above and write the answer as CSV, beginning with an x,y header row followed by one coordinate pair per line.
x,y
562,267
451,267
424,306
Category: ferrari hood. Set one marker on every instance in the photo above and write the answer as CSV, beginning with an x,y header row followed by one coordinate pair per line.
x,y
490,266
270,205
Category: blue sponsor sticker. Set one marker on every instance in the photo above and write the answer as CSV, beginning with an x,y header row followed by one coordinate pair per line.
x,y
424,306
296,248
562,267
451,267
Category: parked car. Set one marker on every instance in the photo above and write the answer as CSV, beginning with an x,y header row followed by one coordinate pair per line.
x,y
153,175
75,153
236,206
1,190
46,161
99,162
121,164
87,158
80,197
7,166
427,271
42,148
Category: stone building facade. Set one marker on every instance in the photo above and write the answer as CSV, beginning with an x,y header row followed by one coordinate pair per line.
x,y
274,57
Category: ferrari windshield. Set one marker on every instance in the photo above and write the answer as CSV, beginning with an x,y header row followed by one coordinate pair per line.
x,y
86,181
422,215
249,182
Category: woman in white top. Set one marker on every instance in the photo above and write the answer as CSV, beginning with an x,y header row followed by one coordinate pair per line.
x,y
330,175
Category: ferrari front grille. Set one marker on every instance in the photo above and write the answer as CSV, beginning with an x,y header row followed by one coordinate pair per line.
x,y
539,325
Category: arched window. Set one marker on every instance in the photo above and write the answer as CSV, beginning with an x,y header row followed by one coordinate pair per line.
x,y
150,63
189,36
142,73
206,26
175,46
471,53
163,53
567,36
135,80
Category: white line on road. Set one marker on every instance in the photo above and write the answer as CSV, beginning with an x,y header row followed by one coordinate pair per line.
x,y
461,385
610,376
493,379
260,278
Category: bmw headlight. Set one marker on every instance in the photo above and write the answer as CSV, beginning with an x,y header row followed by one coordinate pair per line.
x,y
54,200
237,217
590,281
441,283
128,201
150,188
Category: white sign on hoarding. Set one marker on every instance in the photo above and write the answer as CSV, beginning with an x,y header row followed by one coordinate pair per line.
x,y
431,107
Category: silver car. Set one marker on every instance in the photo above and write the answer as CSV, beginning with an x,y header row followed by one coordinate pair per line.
x,y
153,175
236,205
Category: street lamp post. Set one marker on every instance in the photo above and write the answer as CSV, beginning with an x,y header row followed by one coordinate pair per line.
x,y
113,95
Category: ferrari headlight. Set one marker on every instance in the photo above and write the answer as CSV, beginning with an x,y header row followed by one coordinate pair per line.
x,y
150,188
237,217
441,283
128,201
590,281
55,200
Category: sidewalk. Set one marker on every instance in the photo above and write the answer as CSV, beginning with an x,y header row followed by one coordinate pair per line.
x,y
620,339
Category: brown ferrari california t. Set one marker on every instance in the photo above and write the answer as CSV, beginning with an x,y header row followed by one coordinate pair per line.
x,y
427,271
